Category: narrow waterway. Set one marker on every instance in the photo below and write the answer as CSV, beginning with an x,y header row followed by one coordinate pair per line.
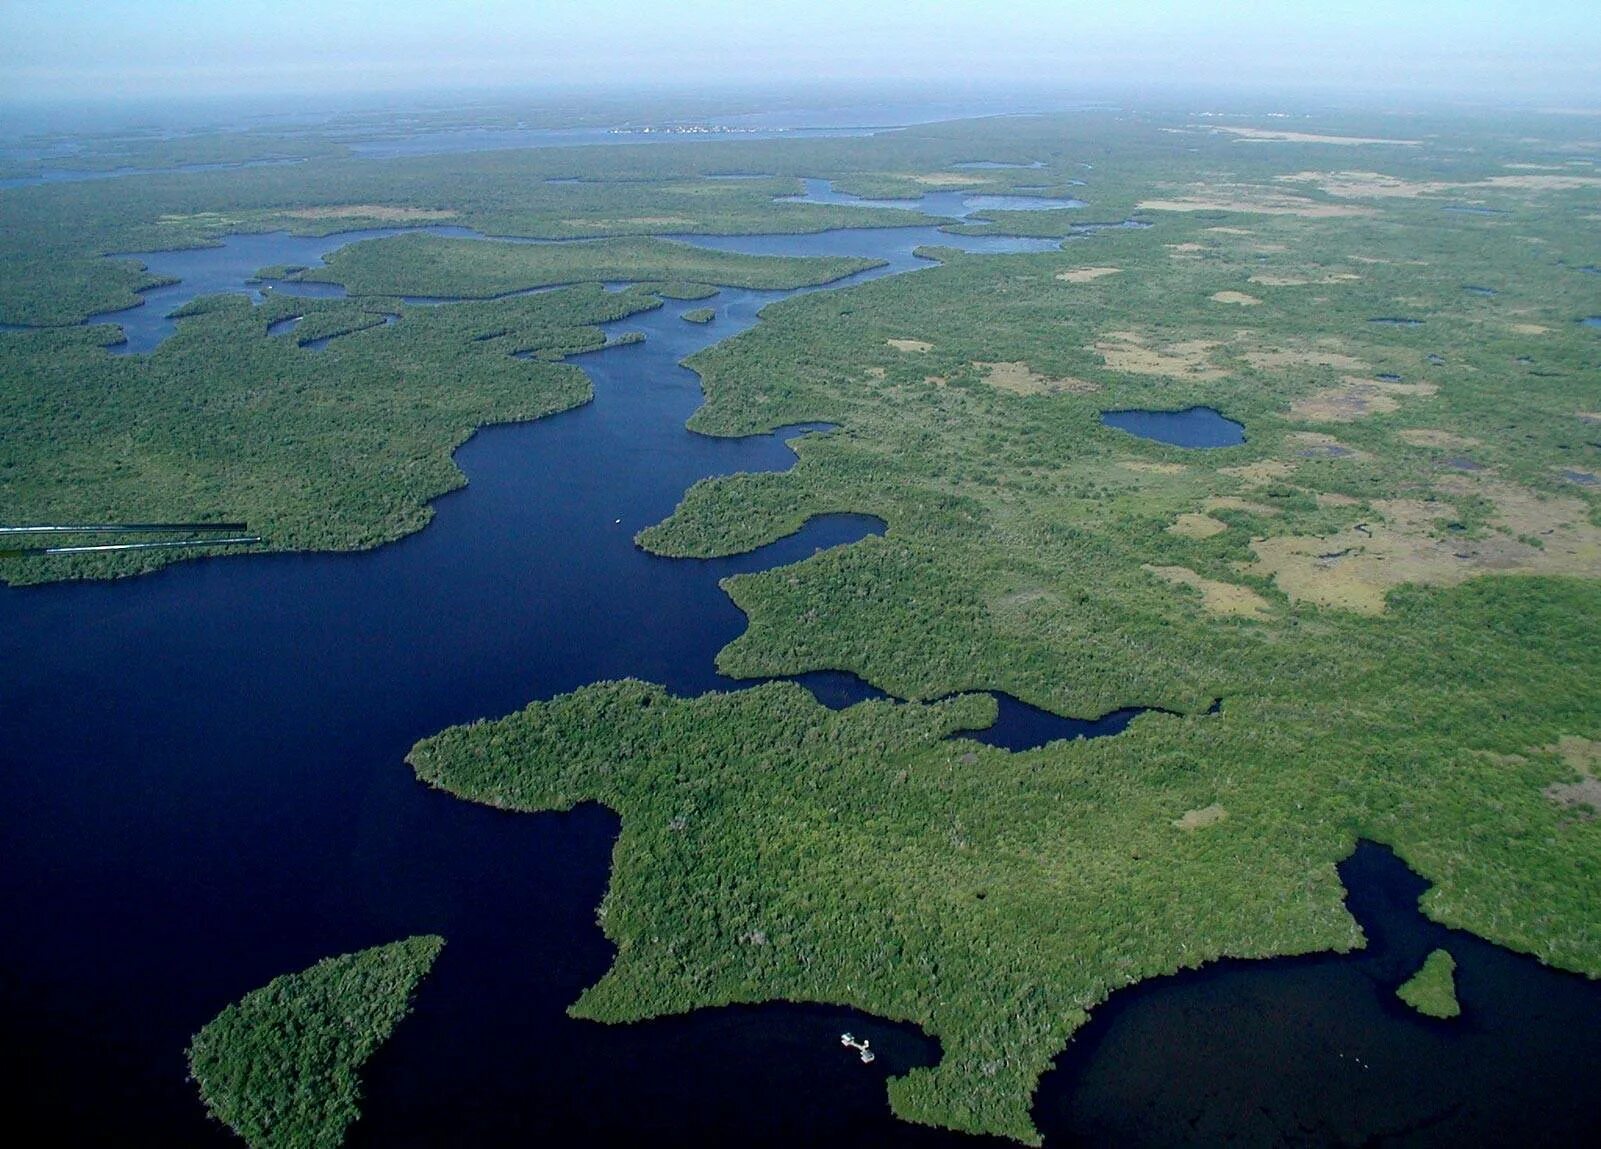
x,y
206,787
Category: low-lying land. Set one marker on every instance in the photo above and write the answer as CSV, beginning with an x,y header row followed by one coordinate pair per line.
x,y
279,1066
1395,581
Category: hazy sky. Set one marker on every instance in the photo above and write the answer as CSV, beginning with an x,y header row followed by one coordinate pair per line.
x,y
118,48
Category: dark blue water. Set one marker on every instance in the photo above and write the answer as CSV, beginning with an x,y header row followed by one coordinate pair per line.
x,y
231,266
1593,321
1319,1051
206,788
1191,427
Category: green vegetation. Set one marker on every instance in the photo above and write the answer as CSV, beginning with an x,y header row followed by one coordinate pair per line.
x,y
1393,659
1432,990
1394,585
476,269
279,1066
337,449
700,315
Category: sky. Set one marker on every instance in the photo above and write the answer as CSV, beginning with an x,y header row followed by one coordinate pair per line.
x,y
1494,50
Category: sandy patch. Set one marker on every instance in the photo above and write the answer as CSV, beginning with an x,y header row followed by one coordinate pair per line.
x,y
1261,474
1129,352
1273,135
1194,526
1427,437
1019,379
1354,568
665,221
1530,329
1186,248
1375,185
949,180
1154,468
370,211
1086,274
1335,499
1589,416
1222,598
1357,399
1238,297
1232,230
1252,198
1583,756
1235,503
1200,819
1304,357
1279,280
1368,185
916,345
1315,445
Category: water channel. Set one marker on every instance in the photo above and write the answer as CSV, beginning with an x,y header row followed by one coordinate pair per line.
x,y
206,788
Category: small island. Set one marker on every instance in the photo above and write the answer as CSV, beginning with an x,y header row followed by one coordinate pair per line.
x,y
1432,990
278,1067
700,315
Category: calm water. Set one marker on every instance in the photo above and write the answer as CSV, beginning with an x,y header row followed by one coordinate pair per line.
x,y
206,788
957,205
1318,1050
1593,321
1191,427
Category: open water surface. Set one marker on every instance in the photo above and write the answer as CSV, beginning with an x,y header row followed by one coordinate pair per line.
x,y
1194,427
206,788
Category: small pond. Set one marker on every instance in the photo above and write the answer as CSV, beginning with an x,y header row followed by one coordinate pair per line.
x,y
1191,427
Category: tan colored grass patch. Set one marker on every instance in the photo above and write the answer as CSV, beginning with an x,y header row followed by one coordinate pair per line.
x,y
1279,280
1194,526
371,211
949,180
1019,379
664,221
1584,757
1445,440
1274,135
1289,357
1261,474
1222,598
1530,329
1086,274
1235,503
1357,399
1153,468
1590,416
1355,568
1232,230
916,345
1253,200
1200,819
876,373
1129,352
1238,297
1315,445
1185,247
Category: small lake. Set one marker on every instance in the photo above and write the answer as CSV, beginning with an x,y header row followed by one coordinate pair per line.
x,y
956,205
1593,321
1196,427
